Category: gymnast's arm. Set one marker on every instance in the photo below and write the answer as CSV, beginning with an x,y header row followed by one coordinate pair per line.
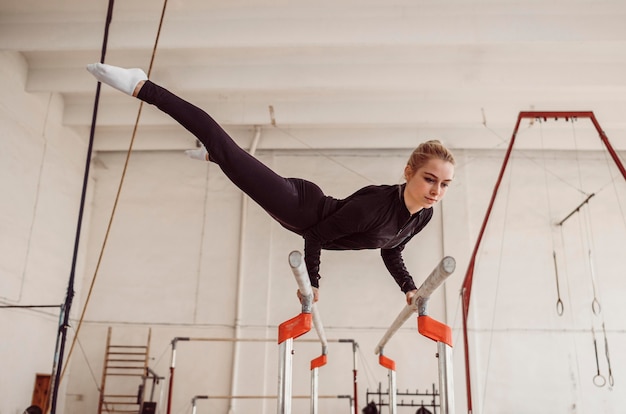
x,y
395,265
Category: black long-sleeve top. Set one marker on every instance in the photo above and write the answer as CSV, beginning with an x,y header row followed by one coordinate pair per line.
x,y
371,218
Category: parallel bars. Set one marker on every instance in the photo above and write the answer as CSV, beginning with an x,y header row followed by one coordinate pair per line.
x,y
292,329
430,328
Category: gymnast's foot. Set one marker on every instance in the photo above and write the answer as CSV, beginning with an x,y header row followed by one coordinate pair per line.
x,y
128,81
198,154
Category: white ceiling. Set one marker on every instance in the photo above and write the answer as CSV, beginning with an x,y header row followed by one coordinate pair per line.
x,y
338,73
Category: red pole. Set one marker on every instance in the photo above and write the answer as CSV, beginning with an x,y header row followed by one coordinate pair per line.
x,y
169,391
608,146
356,409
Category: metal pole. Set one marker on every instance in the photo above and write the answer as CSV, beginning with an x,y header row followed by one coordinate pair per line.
x,y
446,382
285,365
354,404
316,363
172,368
314,390
354,377
393,402
390,364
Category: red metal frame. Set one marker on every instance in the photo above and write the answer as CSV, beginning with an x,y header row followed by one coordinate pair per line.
x,y
466,289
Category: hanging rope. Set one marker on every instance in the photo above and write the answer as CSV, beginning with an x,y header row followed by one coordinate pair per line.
x,y
119,189
596,309
318,152
559,302
57,364
587,245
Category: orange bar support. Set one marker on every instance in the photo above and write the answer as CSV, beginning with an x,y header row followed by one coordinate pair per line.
x,y
320,361
294,327
434,330
387,362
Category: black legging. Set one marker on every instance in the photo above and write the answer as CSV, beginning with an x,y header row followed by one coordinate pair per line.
x,y
293,202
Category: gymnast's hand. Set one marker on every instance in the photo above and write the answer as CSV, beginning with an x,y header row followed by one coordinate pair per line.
x,y
409,296
316,294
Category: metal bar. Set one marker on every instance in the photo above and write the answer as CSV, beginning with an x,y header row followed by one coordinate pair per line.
x,y
446,382
390,364
285,366
259,340
393,399
354,378
268,397
354,404
576,209
609,147
420,300
314,390
189,339
29,306
170,389
298,268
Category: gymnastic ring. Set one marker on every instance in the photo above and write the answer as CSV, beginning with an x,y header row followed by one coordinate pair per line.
x,y
599,380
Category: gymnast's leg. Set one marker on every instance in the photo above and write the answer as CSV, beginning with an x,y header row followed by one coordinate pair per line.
x,y
292,202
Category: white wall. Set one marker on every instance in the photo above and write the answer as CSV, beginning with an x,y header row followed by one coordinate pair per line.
x,y
41,165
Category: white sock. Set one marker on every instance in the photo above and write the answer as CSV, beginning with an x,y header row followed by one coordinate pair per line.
x,y
198,154
122,79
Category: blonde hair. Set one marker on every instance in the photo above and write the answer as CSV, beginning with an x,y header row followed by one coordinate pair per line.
x,y
426,151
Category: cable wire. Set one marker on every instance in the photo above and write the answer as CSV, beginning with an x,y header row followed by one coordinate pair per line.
x,y
119,190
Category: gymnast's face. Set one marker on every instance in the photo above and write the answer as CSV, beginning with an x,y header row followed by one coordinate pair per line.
x,y
426,186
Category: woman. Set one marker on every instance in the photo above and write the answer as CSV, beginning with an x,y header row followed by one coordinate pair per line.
x,y
376,216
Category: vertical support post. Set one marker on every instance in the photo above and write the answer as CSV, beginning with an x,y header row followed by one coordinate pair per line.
x,y
446,383
354,377
314,390
442,334
172,369
284,376
316,363
393,399
287,332
354,406
390,364
171,383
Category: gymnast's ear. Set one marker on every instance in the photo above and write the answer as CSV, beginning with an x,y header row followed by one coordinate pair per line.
x,y
408,172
